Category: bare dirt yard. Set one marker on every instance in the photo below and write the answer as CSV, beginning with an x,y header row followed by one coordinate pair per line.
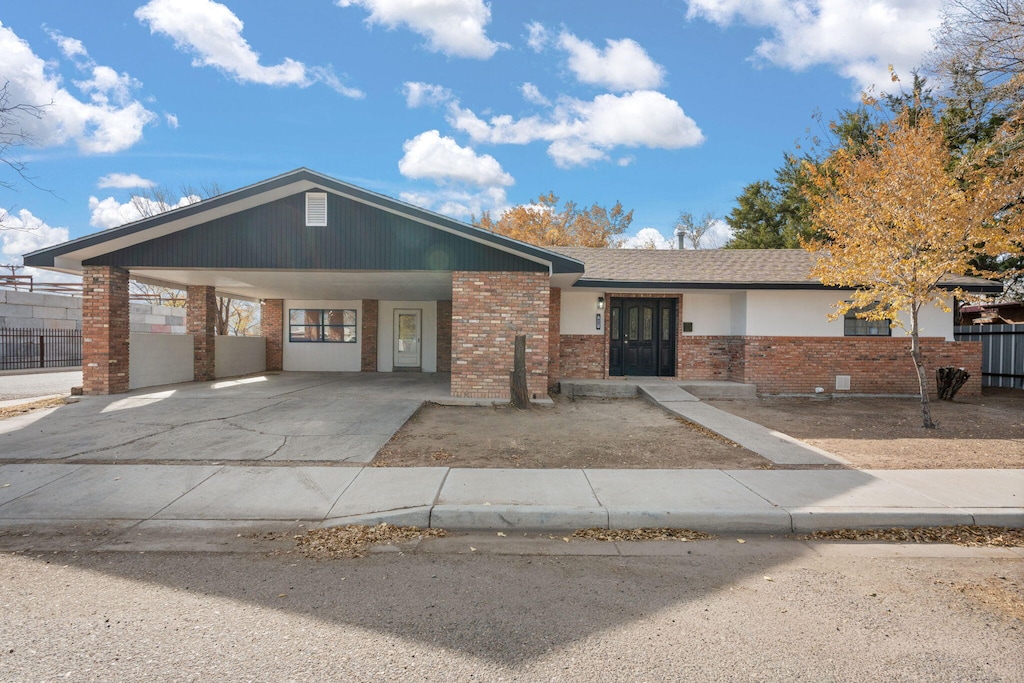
x,y
886,433
582,433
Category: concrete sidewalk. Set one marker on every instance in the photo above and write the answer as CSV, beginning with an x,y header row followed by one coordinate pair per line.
x,y
751,501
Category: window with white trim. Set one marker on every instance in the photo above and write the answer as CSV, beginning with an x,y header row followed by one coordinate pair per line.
x,y
316,209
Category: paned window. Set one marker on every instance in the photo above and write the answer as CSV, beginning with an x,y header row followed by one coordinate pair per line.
x,y
322,325
859,327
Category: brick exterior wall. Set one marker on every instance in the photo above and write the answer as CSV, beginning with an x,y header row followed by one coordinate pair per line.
x,y
201,321
444,336
710,358
104,330
272,327
584,356
554,337
488,310
783,365
368,358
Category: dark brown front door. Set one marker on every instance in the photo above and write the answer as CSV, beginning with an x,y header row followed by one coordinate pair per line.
x,y
642,337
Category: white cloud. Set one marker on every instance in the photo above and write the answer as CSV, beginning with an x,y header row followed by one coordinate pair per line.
x,y
647,238
124,181
538,36
71,47
213,33
428,155
584,131
461,204
622,65
858,39
422,94
110,213
172,121
110,121
452,27
717,236
25,233
532,94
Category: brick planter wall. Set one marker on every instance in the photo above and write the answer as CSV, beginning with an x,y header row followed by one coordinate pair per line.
x,y
783,365
584,356
104,330
488,310
201,321
368,350
444,336
272,327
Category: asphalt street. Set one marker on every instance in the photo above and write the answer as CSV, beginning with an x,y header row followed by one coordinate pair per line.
x,y
38,384
482,607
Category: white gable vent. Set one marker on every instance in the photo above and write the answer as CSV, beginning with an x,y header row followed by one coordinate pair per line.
x,y
316,209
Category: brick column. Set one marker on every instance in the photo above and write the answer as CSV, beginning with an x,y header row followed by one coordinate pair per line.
x,y
368,362
488,311
444,336
104,330
554,337
272,328
201,322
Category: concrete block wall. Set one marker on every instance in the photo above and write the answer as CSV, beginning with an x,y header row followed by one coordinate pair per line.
x,y
239,355
158,359
64,312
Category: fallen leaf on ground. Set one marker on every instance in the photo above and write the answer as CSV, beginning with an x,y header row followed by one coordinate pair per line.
x,y
642,534
355,539
967,535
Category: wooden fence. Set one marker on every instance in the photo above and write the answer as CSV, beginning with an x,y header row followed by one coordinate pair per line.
x,y
23,349
1002,353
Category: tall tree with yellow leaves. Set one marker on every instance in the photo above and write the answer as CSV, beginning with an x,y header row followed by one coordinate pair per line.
x,y
899,215
541,222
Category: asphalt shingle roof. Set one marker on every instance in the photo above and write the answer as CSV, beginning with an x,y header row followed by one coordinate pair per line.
x,y
746,266
754,267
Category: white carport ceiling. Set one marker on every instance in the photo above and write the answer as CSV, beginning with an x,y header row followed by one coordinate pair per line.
x,y
306,284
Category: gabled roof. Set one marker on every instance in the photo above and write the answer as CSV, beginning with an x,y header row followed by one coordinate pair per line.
x,y
712,269
69,256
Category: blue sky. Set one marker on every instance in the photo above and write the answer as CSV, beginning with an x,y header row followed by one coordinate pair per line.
x,y
455,105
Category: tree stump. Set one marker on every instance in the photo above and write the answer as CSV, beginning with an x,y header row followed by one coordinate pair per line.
x,y
517,378
949,380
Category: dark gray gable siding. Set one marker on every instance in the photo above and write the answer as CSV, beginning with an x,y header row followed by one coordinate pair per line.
x,y
357,237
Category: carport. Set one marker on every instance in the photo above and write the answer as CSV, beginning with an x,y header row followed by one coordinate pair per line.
x,y
348,280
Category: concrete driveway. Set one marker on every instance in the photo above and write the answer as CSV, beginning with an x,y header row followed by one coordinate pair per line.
x,y
296,417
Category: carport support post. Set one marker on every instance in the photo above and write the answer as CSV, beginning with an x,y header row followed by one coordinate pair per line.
x,y
201,319
272,329
104,330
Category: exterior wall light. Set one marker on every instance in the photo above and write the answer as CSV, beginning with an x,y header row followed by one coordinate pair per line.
x,y
600,303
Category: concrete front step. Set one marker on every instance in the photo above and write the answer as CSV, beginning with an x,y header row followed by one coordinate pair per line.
x,y
628,387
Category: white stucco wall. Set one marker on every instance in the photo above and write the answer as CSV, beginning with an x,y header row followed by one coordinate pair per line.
x,y
710,313
386,333
579,313
805,314
155,359
799,313
239,355
330,357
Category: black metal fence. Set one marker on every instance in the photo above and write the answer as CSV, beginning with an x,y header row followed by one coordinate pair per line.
x,y
23,349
